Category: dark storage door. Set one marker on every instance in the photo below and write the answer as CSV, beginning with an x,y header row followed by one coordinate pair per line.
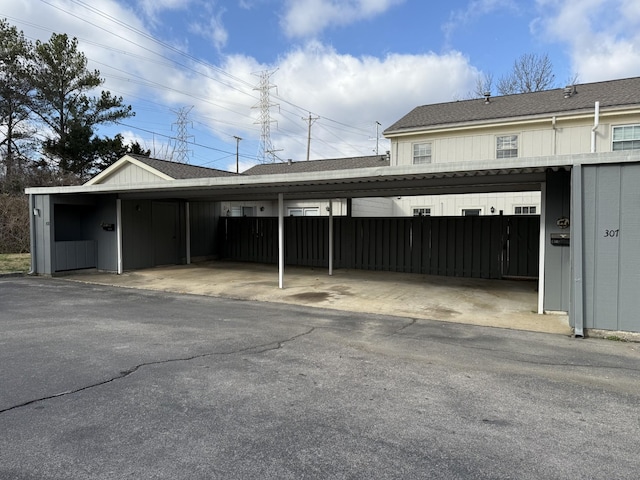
x,y
165,233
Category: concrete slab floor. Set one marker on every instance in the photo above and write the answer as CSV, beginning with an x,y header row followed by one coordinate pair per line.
x,y
496,303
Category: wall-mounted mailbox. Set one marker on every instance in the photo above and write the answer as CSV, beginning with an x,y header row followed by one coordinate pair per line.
x,y
109,227
560,239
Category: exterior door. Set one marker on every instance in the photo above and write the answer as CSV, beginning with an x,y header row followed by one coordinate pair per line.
x,y
165,233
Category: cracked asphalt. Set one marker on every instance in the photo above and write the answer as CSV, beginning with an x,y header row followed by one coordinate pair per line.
x,y
101,382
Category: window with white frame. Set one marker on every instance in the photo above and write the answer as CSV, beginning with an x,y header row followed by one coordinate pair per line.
x,y
525,210
471,212
507,146
421,153
304,212
421,211
626,137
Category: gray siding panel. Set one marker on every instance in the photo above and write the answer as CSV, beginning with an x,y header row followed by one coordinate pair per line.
x,y
75,255
557,284
629,285
611,202
203,219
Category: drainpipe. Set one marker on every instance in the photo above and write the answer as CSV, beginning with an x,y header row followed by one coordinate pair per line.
x,y
555,134
32,236
596,123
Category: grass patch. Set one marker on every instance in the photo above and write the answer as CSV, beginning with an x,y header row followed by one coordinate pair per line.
x,y
15,262
615,338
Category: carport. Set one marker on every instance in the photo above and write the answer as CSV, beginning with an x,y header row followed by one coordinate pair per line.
x,y
147,224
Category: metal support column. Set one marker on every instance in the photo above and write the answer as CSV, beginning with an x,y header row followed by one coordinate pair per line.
x,y
188,232
576,307
542,250
330,237
119,234
281,240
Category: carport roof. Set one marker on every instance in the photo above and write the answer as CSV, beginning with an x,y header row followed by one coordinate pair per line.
x,y
319,165
520,174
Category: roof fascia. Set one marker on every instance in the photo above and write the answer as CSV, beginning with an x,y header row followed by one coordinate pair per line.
x,y
372,174
122,163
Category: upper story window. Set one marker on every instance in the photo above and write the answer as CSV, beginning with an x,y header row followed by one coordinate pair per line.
x,y
421,153
626,137
507,146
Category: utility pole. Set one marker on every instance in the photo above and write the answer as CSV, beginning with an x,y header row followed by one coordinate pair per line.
x,y
378,124
237,153
311,121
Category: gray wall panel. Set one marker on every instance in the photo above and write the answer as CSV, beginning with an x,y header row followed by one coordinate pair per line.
x,y
137,241
611,202
629,285
557,286
203,217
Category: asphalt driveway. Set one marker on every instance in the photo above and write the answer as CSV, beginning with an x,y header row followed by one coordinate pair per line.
x,y
100,382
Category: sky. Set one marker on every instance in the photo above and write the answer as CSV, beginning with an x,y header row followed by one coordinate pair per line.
x,y
341,70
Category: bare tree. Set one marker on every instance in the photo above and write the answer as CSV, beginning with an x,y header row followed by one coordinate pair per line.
x,y
531,73
484,85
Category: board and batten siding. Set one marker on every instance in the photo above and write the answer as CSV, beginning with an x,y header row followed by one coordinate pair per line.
x,y
567,136
611,229
131,174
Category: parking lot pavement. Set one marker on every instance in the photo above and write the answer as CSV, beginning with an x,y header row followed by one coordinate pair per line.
x,y
99,382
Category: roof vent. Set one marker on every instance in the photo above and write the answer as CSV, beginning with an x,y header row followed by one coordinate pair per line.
x,y
289,161
569,91
486,97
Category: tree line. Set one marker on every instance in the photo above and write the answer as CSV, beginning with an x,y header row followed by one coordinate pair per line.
x,y
50,108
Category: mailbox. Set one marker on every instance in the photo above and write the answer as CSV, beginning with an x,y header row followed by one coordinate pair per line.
x,y
560,239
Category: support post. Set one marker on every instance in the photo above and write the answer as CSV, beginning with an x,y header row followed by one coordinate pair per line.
x,y
576,308
119,234
330,237
542,249
187,218
281,240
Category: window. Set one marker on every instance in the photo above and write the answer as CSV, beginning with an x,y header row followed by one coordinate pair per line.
x,y
470,212
421,212
239,211
507,146
421,153
304,212
527,210
626,137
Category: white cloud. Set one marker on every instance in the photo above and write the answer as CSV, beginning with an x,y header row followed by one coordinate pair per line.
x,y
348,93
602,37
213,29
307,18
151,8
473,11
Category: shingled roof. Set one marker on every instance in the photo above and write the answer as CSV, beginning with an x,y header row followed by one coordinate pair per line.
x,y
319,165
180,171
580,97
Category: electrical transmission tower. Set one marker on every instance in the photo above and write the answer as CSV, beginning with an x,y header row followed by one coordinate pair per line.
x,y
266,152
182,136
